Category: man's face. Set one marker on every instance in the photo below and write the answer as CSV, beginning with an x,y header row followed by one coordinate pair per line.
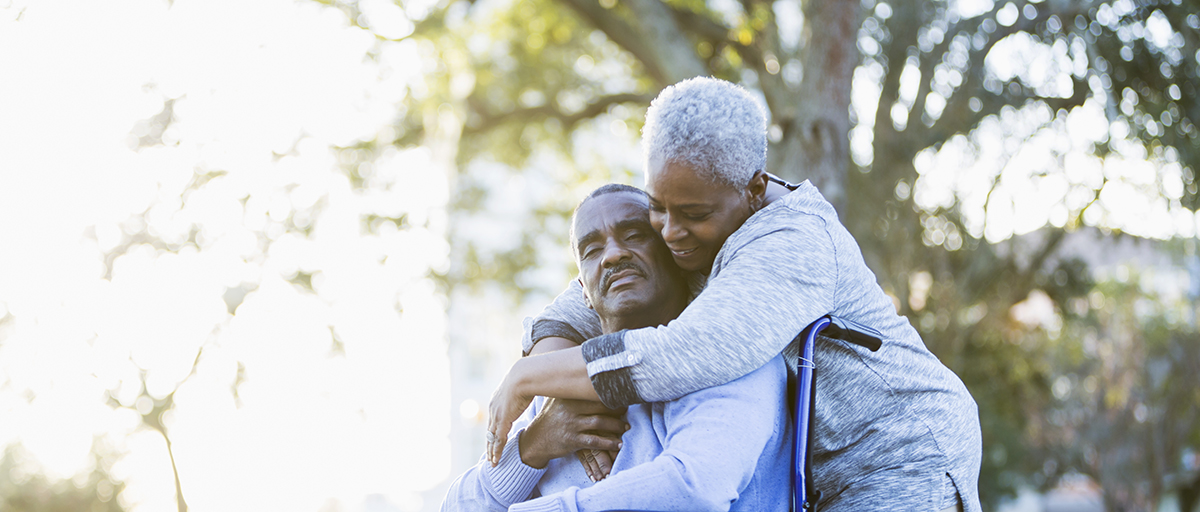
x,y
623,264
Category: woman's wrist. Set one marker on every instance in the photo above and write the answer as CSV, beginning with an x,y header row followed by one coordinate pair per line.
x,y
551,344
523,376
558,374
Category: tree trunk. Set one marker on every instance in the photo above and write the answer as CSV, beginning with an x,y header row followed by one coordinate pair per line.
x,y
815,144
1189,495
674,53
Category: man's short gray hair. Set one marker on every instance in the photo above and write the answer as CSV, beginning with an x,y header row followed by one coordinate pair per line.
x,y
710,125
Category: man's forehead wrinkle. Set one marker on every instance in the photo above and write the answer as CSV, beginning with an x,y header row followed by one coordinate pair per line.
x,y
636,222
641,221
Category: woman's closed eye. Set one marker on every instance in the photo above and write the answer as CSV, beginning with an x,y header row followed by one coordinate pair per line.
x,y
694,216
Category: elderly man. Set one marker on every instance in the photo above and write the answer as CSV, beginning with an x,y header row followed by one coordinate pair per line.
x,y
721,448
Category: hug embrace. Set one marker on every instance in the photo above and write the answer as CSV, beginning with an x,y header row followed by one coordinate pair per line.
x,y
657,380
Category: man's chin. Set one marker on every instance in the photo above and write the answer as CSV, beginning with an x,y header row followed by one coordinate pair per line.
x,y
626,300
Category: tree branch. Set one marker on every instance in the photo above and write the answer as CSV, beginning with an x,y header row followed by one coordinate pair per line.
x,y
958,107
904,35
436,19
922,138
548,111
674,52
701,25
753,55
620,32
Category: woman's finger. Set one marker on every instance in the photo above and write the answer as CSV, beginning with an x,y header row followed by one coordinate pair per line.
x,y
506,406
490,437
499,423
496,439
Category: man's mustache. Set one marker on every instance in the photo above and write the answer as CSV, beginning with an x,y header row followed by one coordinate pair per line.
x,y
608,274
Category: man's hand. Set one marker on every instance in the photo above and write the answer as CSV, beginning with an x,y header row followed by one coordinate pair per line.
x,y
561,374
597,463
563,427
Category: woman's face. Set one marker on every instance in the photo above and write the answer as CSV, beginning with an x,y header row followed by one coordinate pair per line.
x,y
694,215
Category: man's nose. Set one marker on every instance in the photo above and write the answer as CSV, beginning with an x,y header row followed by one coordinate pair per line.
x,y
615,252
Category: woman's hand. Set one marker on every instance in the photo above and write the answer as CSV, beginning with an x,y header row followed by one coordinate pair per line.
x,y
559,374
508,402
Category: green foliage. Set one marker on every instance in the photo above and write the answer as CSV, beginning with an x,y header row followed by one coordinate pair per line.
x,y
24,491
1126,367
1146,62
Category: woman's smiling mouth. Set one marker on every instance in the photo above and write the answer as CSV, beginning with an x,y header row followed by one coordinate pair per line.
x,y
679,253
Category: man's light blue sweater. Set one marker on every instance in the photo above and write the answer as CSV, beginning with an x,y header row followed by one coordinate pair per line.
x,y
722,448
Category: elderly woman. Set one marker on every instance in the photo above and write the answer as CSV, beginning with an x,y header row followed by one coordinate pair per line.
x,y
895,429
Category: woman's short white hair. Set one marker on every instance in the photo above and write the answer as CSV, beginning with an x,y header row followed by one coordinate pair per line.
x,y
711,125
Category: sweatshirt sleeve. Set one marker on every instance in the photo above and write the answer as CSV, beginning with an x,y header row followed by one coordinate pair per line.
x,y
767,288
567,317
494,489
714,440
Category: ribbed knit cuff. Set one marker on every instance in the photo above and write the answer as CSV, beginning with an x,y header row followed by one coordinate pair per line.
x,y
608,365
512,480
552,503
553,328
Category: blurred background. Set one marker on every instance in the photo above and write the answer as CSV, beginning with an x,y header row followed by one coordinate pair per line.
x,y
274,255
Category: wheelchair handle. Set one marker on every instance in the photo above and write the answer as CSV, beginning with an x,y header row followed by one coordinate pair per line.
x,y
851,332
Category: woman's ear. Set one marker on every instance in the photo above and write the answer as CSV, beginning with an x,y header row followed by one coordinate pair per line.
x,y
756,190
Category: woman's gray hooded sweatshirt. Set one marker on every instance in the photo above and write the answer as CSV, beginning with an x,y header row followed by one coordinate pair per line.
x,y
890,425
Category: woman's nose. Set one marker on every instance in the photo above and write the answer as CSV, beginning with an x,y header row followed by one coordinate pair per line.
x,y
671,230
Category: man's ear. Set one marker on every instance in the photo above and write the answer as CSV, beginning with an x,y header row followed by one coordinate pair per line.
x,y
586,300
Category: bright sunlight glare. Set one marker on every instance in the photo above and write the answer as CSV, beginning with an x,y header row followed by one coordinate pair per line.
x,y
193,144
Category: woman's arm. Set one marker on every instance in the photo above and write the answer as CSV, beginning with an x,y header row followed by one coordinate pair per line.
x,y
561,327
766,286
551,344
568,317
558,374
597,463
